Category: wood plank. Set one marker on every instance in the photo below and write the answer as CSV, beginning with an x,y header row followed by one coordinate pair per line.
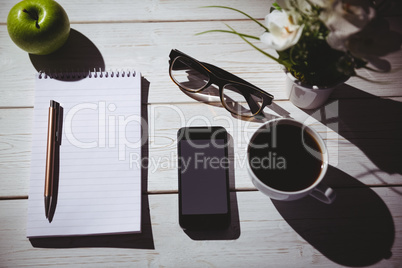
x,y
361,141
146,46
151,10
361,228
15,150
157,10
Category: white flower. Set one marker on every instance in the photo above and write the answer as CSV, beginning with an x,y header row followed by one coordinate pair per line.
x,y
283,30
344,20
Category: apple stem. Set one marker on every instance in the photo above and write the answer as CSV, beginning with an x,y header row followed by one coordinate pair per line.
x,y
34,16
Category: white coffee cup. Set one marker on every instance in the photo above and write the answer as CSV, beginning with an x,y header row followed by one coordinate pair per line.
x,y
317,189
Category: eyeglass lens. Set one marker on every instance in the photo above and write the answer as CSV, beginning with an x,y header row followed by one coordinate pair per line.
x,y
237,100
190,76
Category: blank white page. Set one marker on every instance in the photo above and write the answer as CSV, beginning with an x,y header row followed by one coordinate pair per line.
x,y
99,189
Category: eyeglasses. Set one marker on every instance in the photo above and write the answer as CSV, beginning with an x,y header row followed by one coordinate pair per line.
x,y
237,96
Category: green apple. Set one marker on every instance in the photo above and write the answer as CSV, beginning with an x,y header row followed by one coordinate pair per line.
x,y
38,26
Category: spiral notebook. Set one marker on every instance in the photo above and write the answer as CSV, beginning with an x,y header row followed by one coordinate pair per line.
x,y
99,186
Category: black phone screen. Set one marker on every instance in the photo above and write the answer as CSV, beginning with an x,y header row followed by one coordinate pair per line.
x,y
203,177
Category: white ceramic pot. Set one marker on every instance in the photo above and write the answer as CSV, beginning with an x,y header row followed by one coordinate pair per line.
x,y
307,97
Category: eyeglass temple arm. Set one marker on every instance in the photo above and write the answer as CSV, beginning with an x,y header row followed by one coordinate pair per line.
x,y
251,102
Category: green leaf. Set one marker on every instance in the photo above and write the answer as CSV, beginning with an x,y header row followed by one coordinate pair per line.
x,y
231,32
276,6
245,14
259,49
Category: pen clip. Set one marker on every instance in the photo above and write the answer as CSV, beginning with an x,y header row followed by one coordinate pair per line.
x,y
56,107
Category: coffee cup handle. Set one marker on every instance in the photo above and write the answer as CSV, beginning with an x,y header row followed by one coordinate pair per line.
x,y
324,193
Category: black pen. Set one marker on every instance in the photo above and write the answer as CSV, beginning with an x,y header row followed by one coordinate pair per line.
x,y
52,139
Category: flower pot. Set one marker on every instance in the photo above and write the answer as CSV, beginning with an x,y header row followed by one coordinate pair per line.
x,y
305,96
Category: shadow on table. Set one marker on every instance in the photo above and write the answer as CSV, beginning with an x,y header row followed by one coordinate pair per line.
x,y
210,96
371,123
143,240
77,55
356,230
233,231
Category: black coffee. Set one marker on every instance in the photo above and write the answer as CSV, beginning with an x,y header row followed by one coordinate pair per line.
x,y
285,157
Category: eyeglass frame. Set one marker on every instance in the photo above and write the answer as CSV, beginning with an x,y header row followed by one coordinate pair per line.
x,y
221,78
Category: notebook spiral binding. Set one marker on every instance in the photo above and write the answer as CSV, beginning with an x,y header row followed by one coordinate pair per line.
x,y
87,74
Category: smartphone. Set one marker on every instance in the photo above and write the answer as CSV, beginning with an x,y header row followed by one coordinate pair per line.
x,y
203,165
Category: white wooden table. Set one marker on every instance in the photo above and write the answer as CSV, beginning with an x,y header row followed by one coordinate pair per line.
x,y
361,125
